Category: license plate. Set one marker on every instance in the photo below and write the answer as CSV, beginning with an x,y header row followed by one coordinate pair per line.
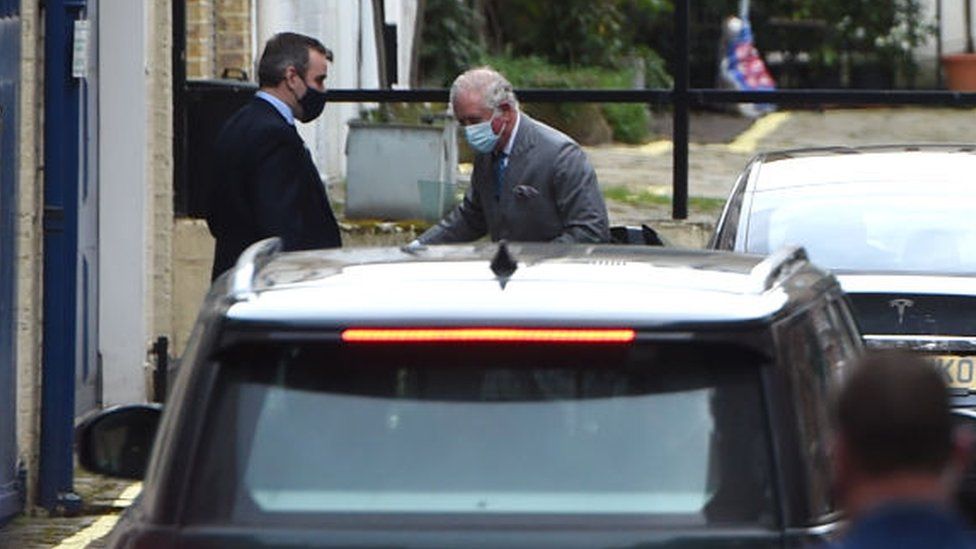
x,y
959,370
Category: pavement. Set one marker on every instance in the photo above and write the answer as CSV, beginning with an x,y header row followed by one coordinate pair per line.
x,y
721,145
103,500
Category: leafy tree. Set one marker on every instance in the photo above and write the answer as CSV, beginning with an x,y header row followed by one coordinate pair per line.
x,y
552,44
568,32
879,31
449,42
890,29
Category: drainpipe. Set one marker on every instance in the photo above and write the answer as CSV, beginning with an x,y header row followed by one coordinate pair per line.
x,y
969,25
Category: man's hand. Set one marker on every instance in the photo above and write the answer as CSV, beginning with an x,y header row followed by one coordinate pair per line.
x,y
413,247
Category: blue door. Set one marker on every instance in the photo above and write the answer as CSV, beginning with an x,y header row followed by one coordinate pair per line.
x,y
10,496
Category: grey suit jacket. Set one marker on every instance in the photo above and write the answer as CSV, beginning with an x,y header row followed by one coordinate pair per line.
x,y
549,193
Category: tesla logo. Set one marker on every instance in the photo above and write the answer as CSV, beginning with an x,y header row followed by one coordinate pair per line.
x,y
900,305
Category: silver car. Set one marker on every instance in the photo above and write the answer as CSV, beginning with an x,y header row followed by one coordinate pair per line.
x,y
896,226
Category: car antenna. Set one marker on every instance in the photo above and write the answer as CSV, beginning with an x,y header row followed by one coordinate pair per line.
x,y
503,264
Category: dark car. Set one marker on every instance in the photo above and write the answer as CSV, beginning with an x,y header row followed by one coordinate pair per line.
x,y
493,396
895,226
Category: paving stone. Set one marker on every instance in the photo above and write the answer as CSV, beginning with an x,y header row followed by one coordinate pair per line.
x,y
101,501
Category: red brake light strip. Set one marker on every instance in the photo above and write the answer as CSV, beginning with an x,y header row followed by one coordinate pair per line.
x,y
486,335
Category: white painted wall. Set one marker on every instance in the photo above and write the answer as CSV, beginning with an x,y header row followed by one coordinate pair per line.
x,y
953,36
346,27
953,26
123,235
404,14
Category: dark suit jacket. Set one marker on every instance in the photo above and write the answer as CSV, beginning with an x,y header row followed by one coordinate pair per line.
x,y
549,193
265,185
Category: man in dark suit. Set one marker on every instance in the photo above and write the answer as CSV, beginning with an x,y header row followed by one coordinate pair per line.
x,y
265,183
530,182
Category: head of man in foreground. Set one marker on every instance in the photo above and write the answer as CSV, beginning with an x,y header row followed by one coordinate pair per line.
x,y
897,455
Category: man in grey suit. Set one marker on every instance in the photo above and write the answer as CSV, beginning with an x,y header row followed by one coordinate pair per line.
x,y
530,183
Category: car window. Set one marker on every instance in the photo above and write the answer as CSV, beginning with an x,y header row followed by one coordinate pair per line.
x,y
298,431
868,227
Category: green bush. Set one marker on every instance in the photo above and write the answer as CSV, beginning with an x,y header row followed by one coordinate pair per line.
x,y
565,44
628,122
572,33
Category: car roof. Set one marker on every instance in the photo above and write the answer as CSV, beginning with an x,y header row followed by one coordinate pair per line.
x,y
915,165
552,285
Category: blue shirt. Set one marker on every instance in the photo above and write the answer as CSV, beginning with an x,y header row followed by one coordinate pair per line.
x,y
279,105
908,525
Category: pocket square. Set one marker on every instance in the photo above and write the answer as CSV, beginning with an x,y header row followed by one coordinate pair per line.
x,y
525,191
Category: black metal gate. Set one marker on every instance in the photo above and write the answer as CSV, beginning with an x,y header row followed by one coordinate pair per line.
x,y
682,97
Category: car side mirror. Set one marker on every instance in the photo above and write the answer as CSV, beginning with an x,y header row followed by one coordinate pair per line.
x,y
117,442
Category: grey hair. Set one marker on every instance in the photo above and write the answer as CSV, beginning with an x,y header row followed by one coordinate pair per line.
x,y
494,89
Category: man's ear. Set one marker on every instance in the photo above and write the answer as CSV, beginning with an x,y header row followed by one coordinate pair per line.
x,y
291,71
508,112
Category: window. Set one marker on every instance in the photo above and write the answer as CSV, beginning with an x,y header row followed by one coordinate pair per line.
x,y
299,431
888,226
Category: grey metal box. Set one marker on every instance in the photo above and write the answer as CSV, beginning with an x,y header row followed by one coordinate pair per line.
x,y
400,171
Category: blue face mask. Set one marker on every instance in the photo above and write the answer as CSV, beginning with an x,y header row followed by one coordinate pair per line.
x,y
481,137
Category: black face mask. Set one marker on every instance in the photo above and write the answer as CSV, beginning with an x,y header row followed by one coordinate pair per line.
x,y
312,104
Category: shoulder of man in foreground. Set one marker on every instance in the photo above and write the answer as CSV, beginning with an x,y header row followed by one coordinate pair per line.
x,y
902,524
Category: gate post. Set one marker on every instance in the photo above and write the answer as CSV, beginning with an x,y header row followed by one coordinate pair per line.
x,y
61,134
679,136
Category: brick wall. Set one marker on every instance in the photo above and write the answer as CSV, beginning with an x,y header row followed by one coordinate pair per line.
x,y
200,39
234,35
219,37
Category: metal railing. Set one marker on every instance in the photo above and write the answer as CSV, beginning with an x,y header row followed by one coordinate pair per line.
x,y
681,97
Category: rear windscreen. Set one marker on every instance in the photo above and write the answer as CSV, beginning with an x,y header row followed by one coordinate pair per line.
x,y
300,430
